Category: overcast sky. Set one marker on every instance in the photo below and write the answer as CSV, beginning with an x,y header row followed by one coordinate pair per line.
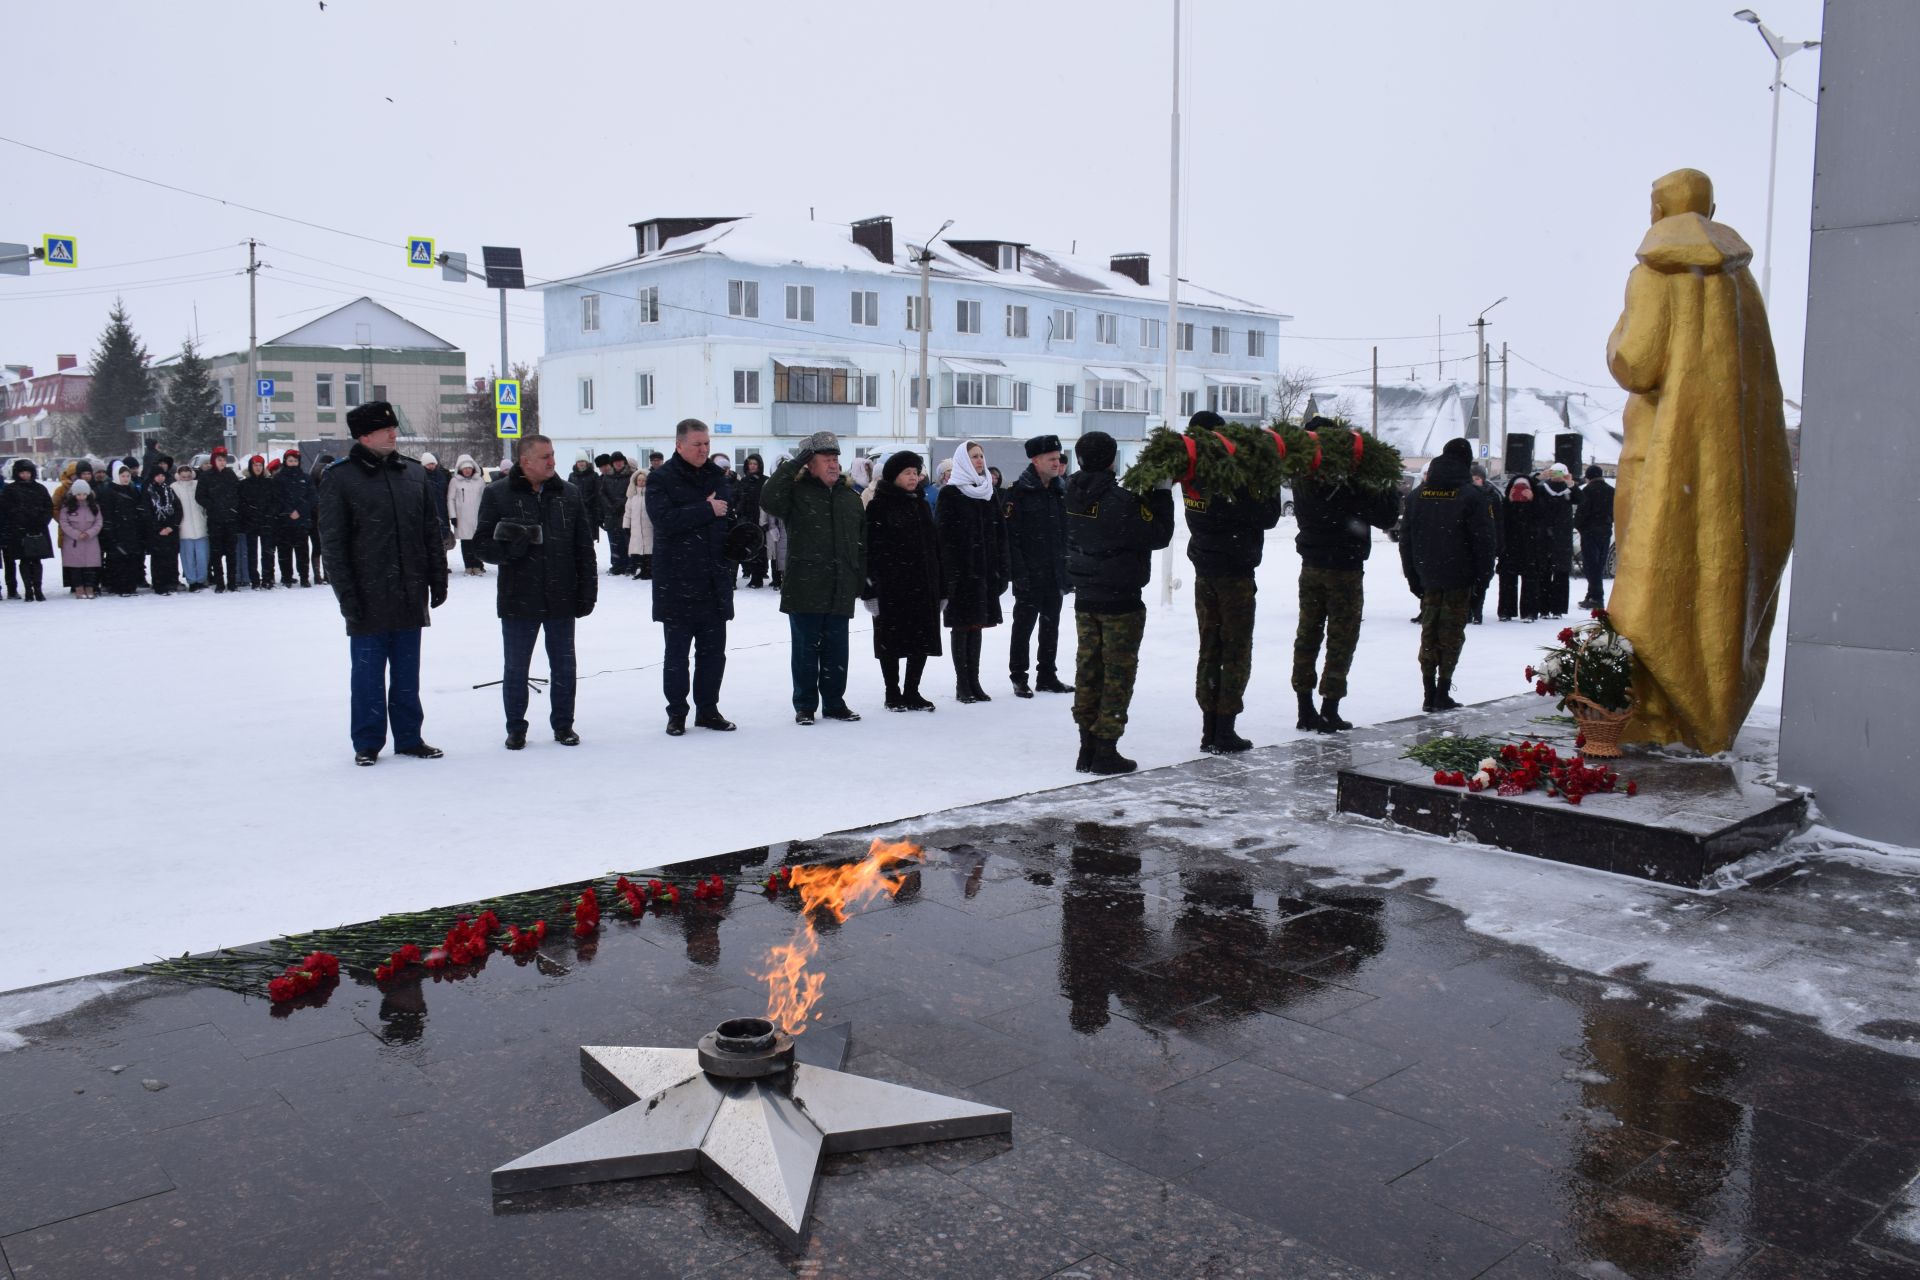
x,y
1365,167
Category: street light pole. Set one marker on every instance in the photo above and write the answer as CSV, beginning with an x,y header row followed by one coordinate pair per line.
x,y
926,323
1480,327
1781,51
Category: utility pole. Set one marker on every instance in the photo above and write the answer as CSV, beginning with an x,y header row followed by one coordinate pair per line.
x,y
506,371
1439,366
1484,431
1376,391
1503,406
926,324
250,423
1170,397
1781,51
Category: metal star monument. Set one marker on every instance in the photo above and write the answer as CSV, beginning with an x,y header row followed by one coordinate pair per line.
x,y
747,1111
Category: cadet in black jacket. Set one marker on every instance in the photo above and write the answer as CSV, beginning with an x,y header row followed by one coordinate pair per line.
x,y
386,552
612,484
218,494
1228,538
1446,549
1036,518
259,522
1553,494
534,526
1593,521
1336,524
294,487
1111,538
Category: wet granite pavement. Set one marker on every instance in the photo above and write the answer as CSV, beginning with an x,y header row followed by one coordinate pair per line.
x,y
1222,1061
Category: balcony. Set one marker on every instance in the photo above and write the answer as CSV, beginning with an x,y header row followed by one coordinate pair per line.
x,y
805,419
975,421
1121,424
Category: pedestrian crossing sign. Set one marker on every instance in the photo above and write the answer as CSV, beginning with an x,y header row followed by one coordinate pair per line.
x,y
420,251
506,393
509,424
58,250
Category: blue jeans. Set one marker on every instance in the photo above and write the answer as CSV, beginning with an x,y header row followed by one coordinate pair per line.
x,y
709,646
386,686
193,560
517,636
819,660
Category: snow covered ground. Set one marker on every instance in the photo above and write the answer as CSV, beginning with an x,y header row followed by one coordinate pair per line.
x,y
194,787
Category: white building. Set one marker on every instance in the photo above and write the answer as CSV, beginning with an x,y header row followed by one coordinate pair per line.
x,y
772,329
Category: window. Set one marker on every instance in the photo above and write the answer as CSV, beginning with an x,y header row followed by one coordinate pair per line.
x,y
1016,321
1234,399
914,324
1256,342
871,397
800,302
1220,339
966,316
650,238
649,300
743,298
1116,396
795,385
1022,397
586,395
866,307
1183,337
1009,257
643,391
379,391
1106,329
1189,403
322,390
1063,397
227,384
353,391
1063,324
746,386
970,388
913,392
1152,334
590,313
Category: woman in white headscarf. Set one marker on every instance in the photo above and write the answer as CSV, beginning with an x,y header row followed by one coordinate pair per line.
x,y
973,554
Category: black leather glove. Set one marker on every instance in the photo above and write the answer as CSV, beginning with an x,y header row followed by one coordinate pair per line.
x,y
510,531
582,610
437,595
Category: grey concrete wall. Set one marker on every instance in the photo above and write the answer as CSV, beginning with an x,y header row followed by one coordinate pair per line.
x,y
1851,724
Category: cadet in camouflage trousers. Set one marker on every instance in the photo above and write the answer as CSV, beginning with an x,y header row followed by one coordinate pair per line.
x,y
1105,664
1443,633
1330,601
1225,610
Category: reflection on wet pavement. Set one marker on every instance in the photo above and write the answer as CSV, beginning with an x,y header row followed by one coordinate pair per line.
x,y
1218,1065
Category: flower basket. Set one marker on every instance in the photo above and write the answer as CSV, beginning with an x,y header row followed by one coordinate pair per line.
x,y
1600,729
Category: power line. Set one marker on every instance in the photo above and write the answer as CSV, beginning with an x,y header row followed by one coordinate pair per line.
x,y
526,314
1597,386
141,262
128,286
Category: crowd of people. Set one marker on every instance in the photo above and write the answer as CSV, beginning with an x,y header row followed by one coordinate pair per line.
x,y
930,561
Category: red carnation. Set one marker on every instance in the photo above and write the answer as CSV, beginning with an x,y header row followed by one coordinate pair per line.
x,y
1633,788
1530,673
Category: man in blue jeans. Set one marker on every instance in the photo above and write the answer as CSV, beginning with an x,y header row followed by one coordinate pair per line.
x,y
688,499
535,527
382,536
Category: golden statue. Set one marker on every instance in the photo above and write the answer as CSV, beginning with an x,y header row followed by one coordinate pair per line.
x,y
1704,508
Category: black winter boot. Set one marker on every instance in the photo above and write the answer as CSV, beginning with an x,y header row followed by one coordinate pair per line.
x,y
1441,702
1105,758
1086,753
1206,731
1426,681
973,666
1225,741
962,688
1330,721
1309,721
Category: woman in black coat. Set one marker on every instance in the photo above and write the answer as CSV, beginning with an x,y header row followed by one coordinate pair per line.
x,y
161,513
973,553
1554,494
25,510
746,506
1523,553
123,535
904,580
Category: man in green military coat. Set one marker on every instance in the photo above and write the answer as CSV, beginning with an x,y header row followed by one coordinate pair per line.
x,y
826,565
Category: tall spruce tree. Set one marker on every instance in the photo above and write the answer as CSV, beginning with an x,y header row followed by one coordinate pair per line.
x,y
190,420
121,386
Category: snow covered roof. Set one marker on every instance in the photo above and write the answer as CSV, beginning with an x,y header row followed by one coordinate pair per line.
x,y
828,246
1419,418
362,323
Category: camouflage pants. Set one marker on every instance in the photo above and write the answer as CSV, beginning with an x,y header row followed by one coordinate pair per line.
x,y
1443,630
1104,667
1330,600
1225,610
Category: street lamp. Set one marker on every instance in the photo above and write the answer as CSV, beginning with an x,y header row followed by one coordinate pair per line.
x,y
926,322
1480,327
1781,51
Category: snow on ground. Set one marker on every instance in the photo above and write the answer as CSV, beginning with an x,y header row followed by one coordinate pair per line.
x,y
196,787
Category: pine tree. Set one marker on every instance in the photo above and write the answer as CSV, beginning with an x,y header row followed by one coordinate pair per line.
x,y
190,419
121,386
